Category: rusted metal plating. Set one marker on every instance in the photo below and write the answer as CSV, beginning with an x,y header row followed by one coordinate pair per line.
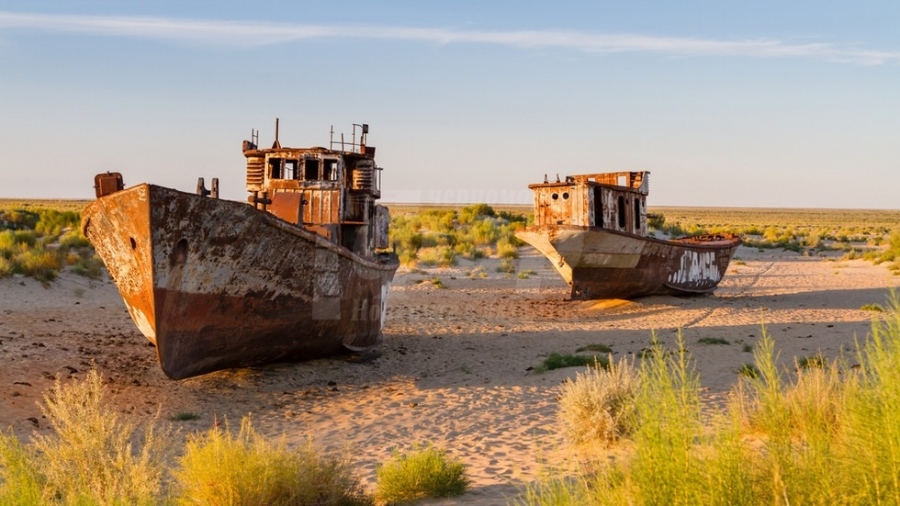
x,y
593,229
301,273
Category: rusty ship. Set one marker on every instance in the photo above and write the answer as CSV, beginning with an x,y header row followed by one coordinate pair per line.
x,y
593,229
301,271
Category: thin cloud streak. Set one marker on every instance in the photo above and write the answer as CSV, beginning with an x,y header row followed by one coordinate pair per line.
x,y
249,34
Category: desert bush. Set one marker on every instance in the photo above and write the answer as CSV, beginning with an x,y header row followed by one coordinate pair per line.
x,y
712,340
827,436
442,256
598,405
92,456
220,467
6,267
817,361
184,416
40,244
872,408
560,360
18,219
506,249
73,239
21,482
424,472
667,408
472,232
507,266
656,221
40,264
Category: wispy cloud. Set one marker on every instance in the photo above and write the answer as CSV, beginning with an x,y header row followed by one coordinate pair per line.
x,y
238,33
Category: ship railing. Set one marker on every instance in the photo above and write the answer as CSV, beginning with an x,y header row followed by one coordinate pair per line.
x,y
351,146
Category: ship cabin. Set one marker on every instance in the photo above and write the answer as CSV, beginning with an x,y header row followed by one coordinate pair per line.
x,y
612,200
328,191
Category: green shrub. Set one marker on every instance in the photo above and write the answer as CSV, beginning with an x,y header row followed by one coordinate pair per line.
x,y
220,467
598,405
21,480
506,248
424,472
813,361
712,340
656,221
558,361
184,416
92,456
39,264
73,239
6,267
442,256
507,265
527,273
669,425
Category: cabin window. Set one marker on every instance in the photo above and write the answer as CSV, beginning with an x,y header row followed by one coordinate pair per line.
x,y
331,170
275,168
598,207
637,214
566,196
555,196
311,168
620,210
622,180
290,169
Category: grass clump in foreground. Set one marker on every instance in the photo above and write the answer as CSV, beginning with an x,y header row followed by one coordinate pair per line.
x,y
96,457
816,435
221,467
93,456
598,406
424,472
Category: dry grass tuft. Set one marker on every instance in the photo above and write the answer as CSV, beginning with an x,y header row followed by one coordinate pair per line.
x,y
598,406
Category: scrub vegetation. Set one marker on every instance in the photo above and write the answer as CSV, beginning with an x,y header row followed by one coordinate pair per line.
x,y
869,234
423,472
800,436
39,241
95,455
40,238
437,237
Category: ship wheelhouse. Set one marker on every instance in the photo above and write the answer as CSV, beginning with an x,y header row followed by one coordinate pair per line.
x,y
613,201
328,191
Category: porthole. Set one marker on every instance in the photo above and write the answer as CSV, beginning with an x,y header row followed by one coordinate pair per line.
x,y
555,196
565,196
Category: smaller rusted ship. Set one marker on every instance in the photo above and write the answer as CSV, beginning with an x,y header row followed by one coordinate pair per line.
x,y
302,272
593,229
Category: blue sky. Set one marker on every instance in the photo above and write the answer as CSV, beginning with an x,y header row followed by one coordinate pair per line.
x,y
737,104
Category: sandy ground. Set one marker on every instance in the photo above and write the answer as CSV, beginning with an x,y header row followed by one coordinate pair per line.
x,y
456,368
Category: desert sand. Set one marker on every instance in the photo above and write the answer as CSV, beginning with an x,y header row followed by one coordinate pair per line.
x,y
457,365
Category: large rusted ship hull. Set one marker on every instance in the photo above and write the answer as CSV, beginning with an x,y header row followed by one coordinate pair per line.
x,y
605,264
217,284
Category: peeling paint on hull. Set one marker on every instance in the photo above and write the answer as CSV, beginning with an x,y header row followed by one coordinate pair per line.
x,y
218,284
603,264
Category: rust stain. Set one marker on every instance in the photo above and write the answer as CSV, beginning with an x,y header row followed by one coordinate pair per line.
x,y
301,272
593,229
